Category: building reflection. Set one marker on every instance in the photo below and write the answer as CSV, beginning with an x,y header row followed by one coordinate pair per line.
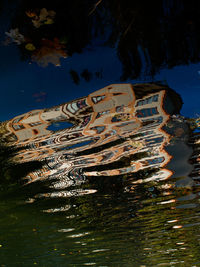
x,y
119,130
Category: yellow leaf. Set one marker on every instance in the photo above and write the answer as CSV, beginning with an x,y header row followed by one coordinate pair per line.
x,y
49,21
30,47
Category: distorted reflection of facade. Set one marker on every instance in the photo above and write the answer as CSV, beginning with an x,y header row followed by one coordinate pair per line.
x,y
195,158
108,125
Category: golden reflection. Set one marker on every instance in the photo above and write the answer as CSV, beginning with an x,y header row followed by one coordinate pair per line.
x,y
117,130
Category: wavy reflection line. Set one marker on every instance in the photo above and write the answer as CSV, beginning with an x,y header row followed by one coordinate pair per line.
x,y
117,130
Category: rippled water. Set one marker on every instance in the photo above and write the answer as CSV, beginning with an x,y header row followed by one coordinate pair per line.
x,y
110,228
99,135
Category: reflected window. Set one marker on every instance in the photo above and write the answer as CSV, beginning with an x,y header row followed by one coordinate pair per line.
x,y
17,127
148,100
74,106
146,112
157,120
35,123
148,133
86,121
17,120
69,107
99,114
120,108
81,103
155,160
121,117
98,129
156,140
107,156
97,99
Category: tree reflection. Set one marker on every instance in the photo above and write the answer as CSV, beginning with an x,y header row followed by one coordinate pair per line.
x,y
45,34
149,36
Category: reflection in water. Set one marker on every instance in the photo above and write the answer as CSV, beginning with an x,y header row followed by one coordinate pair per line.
x,y
119,130
126,140
146,36
111,179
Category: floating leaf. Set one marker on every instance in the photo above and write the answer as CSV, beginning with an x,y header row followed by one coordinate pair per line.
x,y
30,47
15,36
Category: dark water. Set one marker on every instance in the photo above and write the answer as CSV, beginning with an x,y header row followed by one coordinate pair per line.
x,y
99,147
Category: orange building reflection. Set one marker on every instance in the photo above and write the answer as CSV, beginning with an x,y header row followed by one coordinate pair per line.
x,y
117,121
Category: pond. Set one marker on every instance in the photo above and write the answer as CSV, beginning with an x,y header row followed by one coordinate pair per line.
x,y
99,133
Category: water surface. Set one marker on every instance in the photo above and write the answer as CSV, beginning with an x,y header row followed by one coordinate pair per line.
x,y
99,133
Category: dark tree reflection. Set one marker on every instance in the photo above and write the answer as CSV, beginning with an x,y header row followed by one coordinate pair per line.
x,y
149,35
159,33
